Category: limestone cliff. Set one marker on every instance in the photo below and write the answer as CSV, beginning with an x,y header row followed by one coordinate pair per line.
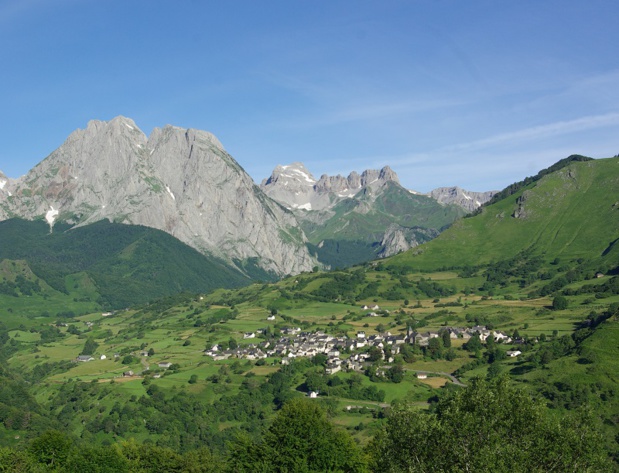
x,y
178,180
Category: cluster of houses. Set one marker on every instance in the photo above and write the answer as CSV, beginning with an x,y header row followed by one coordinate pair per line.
x,y
295,343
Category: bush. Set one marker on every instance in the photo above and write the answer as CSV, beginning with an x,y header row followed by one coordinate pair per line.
x,y
559,303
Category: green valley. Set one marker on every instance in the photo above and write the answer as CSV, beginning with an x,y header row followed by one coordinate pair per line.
x,y
504,325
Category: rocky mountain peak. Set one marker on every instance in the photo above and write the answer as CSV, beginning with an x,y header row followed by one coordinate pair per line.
x,y
178,180
295,175
468,200
296,188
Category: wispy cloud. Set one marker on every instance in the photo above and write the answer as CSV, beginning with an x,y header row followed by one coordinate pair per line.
x,y
383,110
540,132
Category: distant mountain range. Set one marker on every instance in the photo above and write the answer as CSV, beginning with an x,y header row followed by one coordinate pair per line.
x,y
364,216
94,205
182,181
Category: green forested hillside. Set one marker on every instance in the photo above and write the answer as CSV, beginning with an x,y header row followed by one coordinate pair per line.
x,y
572,213
126,264
353,234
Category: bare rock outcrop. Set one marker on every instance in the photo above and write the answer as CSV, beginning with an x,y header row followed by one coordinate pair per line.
x,y
178,180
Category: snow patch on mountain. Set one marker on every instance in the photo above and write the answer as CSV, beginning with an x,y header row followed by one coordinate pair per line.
x,y
170,192
50,217
468,200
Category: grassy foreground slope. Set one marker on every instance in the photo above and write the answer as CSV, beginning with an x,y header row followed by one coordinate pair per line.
x,y
571,213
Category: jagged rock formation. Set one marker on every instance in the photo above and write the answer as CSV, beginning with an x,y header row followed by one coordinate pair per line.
x,y
468,200
296,188
178,180
359,217
398,239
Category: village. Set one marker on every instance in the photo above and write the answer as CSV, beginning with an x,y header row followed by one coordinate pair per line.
x,y
296,343
361,350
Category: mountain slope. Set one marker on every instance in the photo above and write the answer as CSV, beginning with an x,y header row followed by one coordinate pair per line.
x,y
177,180
128,264
569,213
357,218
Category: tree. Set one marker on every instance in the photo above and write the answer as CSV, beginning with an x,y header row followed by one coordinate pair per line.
x,y
446,336
96,459
487,427
435,348
300,439
315,382
494,370
89,347
375,354
51,448
396,373
18,461
559,303
474,344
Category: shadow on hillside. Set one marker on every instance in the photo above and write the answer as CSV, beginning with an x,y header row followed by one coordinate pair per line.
x,y
521,368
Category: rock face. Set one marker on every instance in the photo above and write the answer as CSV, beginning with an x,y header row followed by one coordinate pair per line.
x,y
398,239
296,188
5,185
178,180
367,215
468,200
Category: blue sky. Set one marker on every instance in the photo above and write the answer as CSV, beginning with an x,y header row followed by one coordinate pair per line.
x,y
471,93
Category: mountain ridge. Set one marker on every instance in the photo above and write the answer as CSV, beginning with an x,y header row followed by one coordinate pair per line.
x,y
178,180
565,212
